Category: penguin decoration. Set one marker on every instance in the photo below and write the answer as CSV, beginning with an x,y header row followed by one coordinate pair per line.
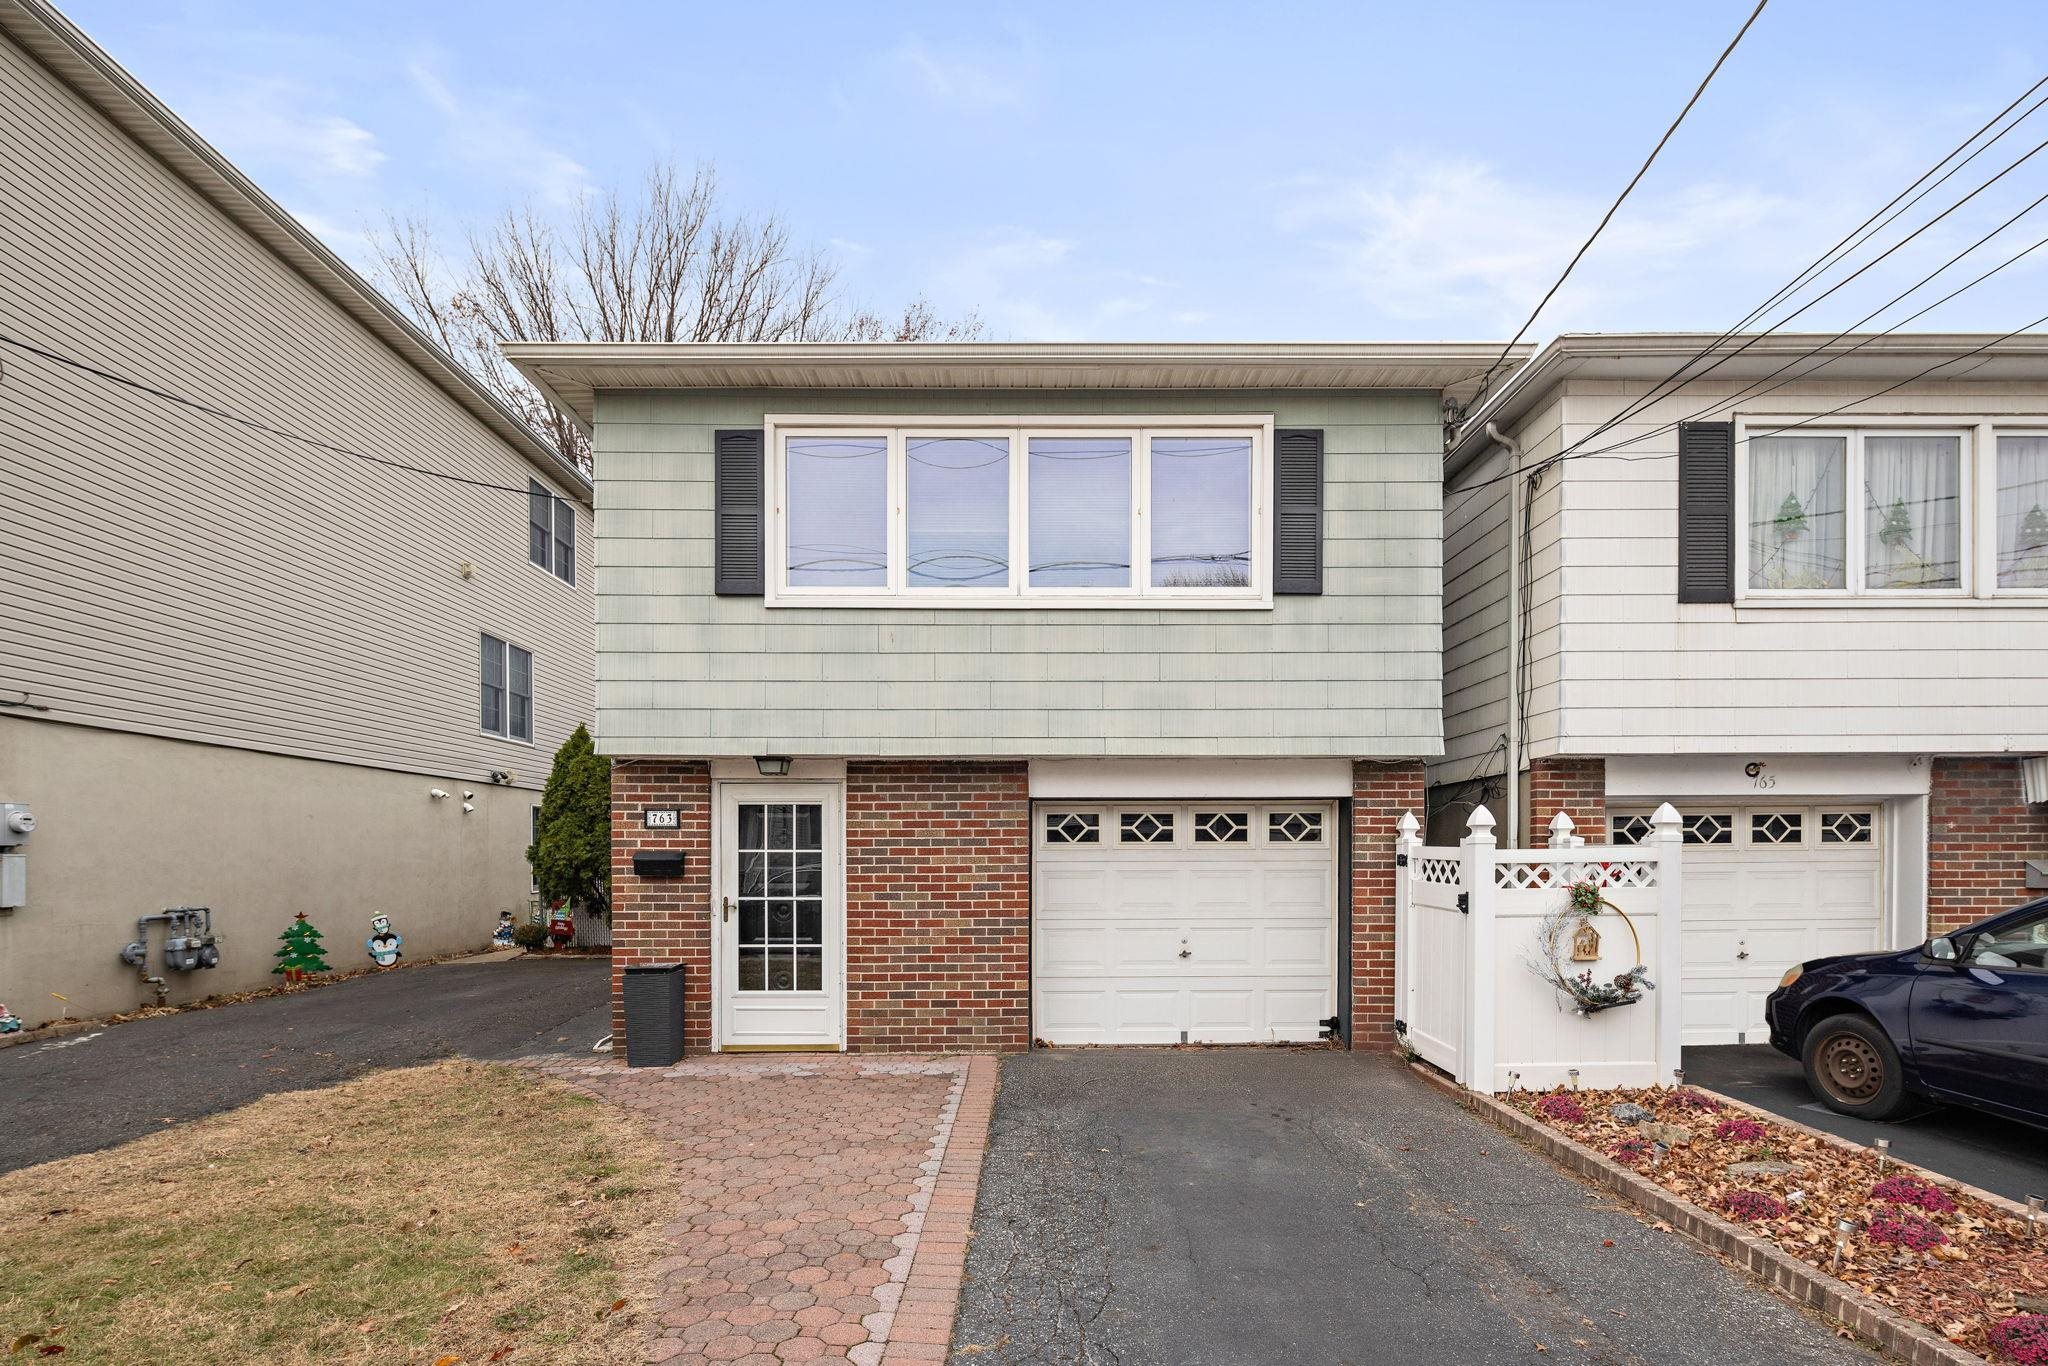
x,y
383,943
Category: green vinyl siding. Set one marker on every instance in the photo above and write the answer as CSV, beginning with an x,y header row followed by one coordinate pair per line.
x,y
1354,671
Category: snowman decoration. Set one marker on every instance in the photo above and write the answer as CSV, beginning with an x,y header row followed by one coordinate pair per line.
x,y
382,943
502,936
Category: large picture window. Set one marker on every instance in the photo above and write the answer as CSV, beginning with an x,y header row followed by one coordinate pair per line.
x,y
1054,511
1857,513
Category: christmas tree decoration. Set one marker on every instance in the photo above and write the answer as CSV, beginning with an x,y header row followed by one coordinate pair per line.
x,y
2034,529
1791,518
1898,525
301,952
383,944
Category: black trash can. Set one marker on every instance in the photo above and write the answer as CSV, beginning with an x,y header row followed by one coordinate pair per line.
x,y
654,1014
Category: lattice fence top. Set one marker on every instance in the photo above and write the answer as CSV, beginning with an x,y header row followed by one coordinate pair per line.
x,y
1444,872
1518,876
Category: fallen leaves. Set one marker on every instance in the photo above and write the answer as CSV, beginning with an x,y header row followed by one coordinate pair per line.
x,y
1959,1287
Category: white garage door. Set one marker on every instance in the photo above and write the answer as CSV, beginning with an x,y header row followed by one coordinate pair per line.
x,y
1161,923
1767,887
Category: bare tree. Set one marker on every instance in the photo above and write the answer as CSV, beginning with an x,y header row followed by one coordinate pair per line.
x,y
670,264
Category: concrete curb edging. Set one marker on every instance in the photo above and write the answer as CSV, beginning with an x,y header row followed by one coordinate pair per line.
x,y
43,1033
1797,1280
922,1329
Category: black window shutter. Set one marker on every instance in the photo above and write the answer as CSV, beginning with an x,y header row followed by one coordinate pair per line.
x,y
1298,510
1706,512
740,524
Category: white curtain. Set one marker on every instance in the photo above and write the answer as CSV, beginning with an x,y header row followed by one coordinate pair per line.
x,y
1797,530
2023,512
1912,511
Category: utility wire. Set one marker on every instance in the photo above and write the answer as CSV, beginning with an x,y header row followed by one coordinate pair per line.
x,y
252,424
1854,238
1613,208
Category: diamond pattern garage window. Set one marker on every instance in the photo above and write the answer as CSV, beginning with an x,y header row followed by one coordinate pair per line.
x,y
1294,827
1776,827
1631,829
1223,827
1073,827
1146,827
1845,827
1710,827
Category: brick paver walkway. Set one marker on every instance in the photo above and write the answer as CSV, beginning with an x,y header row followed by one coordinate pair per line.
x,y
826,1201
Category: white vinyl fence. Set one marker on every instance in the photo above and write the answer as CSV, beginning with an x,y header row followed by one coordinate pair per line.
x,y
1467,922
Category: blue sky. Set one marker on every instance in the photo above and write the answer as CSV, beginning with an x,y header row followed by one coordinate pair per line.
x,y
1160,171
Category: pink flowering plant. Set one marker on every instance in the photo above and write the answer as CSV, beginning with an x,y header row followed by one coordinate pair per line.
x,y
1685,1098
1562,1107
1740,1130
2021,1339
1749,1206
1632,1152
1900,1229
1911,1190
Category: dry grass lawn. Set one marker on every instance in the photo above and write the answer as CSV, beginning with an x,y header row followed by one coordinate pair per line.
x,y
458,1212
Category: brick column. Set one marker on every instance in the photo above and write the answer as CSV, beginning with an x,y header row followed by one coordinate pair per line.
x,y
1380,792
1577,787
1980,831
938,906
663,920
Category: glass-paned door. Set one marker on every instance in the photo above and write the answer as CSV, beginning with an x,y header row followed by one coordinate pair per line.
x,y
778,916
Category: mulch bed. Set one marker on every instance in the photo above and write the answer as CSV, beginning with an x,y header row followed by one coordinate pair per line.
x,y
1931,1251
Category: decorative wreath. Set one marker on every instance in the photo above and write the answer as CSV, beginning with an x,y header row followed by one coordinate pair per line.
x,y
1553,936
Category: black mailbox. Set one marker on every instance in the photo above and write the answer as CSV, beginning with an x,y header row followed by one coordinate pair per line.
x,y
658,862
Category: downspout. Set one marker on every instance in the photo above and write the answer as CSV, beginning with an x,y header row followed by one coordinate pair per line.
x,y
1513,763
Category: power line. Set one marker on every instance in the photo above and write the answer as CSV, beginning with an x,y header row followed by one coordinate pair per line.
x,y
1854,238
252,424
1607,217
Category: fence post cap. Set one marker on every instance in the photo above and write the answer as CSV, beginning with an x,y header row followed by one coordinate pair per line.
x,y
1480,822
1408,825
1560,829
1665,819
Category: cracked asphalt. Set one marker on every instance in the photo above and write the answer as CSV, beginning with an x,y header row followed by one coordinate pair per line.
x,y
1251,1206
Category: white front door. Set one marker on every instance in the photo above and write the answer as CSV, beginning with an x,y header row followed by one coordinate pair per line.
x,y
1767,887
779,916
1165,922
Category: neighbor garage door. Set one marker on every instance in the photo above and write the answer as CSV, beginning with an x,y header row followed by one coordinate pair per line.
x,y
1162,923
1767,887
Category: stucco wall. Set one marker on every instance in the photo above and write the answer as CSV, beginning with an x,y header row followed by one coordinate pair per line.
x,y
131,824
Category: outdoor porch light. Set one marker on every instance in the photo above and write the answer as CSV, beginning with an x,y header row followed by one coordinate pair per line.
x,y
773,765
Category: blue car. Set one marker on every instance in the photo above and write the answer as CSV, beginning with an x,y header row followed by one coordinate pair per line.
x,y
1961,1019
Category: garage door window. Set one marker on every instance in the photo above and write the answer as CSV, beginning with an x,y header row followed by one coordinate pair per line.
x,y
1775,827
1845,827
1294,827
1223,827
1073,827
1756,829
1146,827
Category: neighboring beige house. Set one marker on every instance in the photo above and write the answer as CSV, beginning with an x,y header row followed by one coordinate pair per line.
x,y
234,667
1802,596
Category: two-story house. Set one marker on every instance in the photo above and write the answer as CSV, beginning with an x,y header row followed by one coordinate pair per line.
x,y
996,692
273,573
1797,586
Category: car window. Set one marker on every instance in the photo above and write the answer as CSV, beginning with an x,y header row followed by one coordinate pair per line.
x,y
2023,944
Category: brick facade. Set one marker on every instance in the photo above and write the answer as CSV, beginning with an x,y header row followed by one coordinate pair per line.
x,y
938,906
1380,792
1980,831
663,920
938,893
1577,787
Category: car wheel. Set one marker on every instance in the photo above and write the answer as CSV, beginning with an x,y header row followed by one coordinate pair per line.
x,y
1854,1069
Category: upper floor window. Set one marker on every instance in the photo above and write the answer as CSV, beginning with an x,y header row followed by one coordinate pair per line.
x,y
1856,512
923,512
550,531
507,690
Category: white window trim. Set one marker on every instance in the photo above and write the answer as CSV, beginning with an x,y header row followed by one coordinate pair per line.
x,y
1979,552
1853,547
505,712
557,504
1019,594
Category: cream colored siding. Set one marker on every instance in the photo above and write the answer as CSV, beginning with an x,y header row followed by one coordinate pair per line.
x,y
1352,672
1644,675
175,574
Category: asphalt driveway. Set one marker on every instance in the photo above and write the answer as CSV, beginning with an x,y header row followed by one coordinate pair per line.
x,y
1240,1206
1995,1154
88,1091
